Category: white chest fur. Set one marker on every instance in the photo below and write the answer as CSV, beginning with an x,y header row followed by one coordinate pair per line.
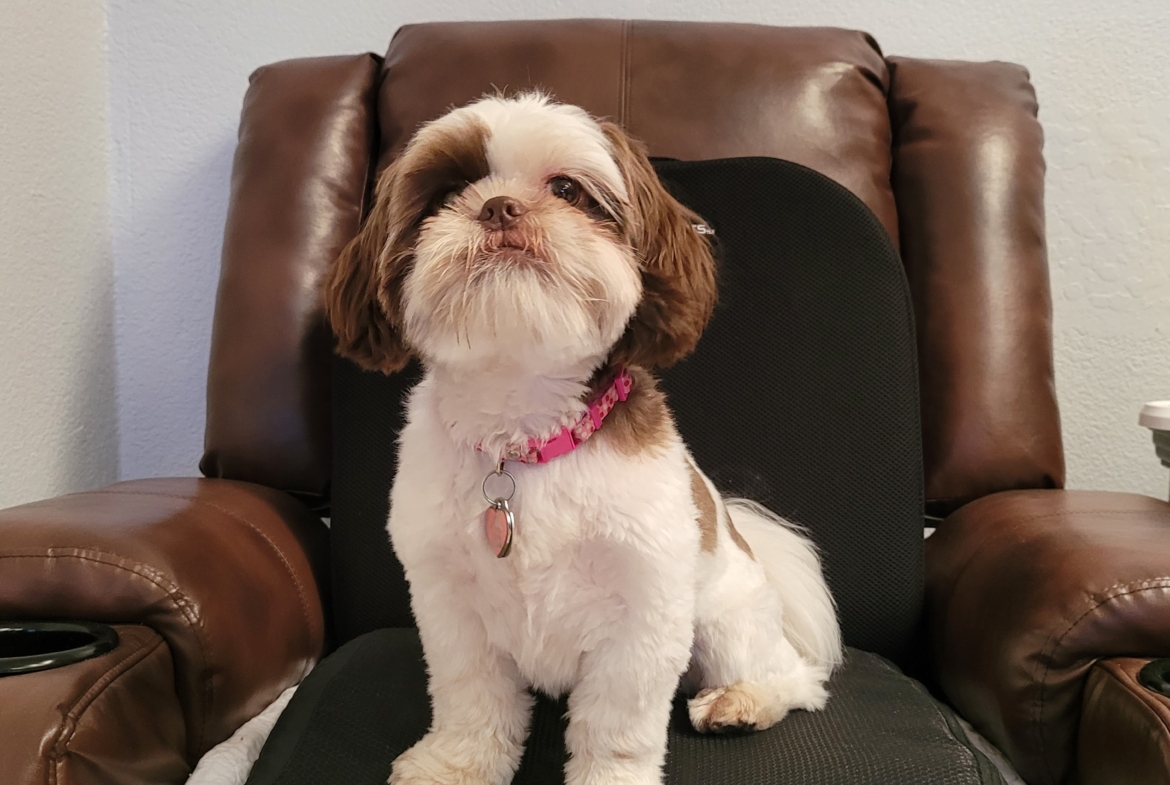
x,y
602,540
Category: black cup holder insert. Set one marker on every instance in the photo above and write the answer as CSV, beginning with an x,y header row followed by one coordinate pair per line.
x,y
1156,676
27,646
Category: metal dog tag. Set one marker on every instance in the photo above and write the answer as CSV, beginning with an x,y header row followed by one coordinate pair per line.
x,y
498,522
498,525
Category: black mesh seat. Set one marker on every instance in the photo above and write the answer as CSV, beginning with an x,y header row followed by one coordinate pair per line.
x,y
367,703
803,395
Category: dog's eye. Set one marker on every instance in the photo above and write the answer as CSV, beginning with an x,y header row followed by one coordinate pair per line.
x,y
450,195
564,188
571,191
440,200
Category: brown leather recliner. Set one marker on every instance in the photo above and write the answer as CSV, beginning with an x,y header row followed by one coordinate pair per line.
x,y
1040,606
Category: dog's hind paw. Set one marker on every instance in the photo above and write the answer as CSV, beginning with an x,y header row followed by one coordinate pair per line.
x,y
746,706
727,709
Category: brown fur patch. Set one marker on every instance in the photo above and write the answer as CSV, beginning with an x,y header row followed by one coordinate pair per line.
x,y
738,539
641,422
708,513
678,269
362,291
441,161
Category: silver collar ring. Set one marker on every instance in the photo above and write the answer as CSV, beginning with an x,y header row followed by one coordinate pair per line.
x,y
499,472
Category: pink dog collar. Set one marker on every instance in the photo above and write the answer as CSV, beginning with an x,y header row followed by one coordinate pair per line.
x,y
570,437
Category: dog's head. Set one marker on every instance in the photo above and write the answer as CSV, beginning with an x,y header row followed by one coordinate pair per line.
x,y
522,229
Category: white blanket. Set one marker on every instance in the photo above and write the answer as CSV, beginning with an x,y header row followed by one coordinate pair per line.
x,y
230,762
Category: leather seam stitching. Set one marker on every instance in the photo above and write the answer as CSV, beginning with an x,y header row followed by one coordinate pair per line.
x,y
73,717
1159,583
288,568
175,595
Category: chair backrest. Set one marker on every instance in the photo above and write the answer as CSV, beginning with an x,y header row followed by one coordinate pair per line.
x,y
802,395
946,154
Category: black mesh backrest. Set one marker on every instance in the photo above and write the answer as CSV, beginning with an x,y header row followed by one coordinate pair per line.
x,y
802,395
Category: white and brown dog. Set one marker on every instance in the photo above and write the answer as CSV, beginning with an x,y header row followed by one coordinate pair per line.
x,y
555,531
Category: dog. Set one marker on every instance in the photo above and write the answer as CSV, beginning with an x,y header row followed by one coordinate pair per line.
x,y
555,531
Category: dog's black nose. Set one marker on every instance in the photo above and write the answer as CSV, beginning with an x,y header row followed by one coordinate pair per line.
x,y
501,212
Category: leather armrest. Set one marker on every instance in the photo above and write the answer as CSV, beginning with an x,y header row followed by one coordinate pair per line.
x,y
1025,591
228,573
1125,728
92,721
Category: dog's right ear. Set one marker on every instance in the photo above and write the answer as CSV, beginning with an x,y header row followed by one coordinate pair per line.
x,y
363,282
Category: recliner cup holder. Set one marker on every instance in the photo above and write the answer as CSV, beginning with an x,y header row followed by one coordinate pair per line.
x,y
28,646
1155,675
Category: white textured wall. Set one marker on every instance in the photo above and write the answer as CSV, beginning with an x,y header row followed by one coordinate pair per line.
x,y
58,430
178,72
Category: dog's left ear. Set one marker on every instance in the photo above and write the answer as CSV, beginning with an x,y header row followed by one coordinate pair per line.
x,y
361,289
678,269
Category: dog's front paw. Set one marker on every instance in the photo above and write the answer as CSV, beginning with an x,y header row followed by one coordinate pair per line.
x,y
441,759
613,769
